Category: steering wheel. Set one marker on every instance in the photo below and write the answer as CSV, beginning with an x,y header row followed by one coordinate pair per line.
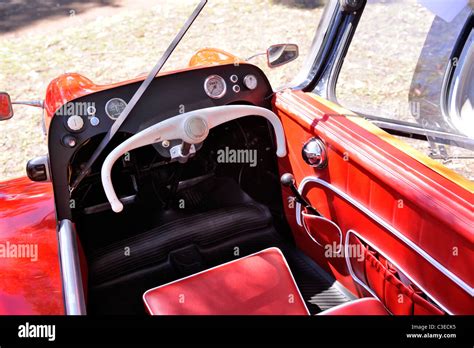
x,y
192,128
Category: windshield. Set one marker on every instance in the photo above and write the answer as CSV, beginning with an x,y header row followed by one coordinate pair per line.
x,y
403,67
115,40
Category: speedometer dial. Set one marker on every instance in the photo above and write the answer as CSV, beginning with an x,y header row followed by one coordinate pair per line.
x,y
114,107
215,86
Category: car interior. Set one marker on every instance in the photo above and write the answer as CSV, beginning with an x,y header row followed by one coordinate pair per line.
x,y
180,218
183,220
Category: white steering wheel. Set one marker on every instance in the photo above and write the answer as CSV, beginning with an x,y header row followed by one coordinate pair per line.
x,y
192,127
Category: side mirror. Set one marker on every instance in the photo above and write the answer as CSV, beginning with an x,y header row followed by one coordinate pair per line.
x,y
6,109
281,54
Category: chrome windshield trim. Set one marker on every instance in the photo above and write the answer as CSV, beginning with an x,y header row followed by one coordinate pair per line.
x,y
454,278
70,269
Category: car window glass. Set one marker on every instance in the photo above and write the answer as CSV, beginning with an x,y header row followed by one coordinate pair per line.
x,y
395,66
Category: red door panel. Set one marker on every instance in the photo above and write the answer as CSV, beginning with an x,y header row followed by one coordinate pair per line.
x,y
419,217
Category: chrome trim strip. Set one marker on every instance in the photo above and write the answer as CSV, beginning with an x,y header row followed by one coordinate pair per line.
x,y
339,248
458,281
70,269
365,286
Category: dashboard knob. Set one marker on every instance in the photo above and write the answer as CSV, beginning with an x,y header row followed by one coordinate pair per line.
x,y
75,123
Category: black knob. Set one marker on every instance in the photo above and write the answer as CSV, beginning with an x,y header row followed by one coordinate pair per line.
x,y
37,169
287,179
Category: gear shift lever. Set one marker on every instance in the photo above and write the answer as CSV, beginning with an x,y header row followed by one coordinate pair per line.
x,y
288,180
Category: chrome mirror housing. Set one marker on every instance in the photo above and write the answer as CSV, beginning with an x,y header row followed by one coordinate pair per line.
x,y
281,54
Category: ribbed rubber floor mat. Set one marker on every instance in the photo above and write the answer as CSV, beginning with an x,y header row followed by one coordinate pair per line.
x,y
328,298
317,288
193,198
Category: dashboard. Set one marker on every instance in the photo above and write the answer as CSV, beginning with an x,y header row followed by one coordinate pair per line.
x,y
83,121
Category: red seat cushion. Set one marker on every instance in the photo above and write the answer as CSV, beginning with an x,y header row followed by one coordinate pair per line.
x,y
259,284
363,306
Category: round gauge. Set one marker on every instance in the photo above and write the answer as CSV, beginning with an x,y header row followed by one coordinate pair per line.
x,y
114,107
215,86
250,81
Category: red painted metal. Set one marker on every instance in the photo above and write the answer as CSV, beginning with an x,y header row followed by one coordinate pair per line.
x,y
27,217
426,207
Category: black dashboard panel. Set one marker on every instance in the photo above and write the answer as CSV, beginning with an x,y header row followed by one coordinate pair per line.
x,y
167,96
